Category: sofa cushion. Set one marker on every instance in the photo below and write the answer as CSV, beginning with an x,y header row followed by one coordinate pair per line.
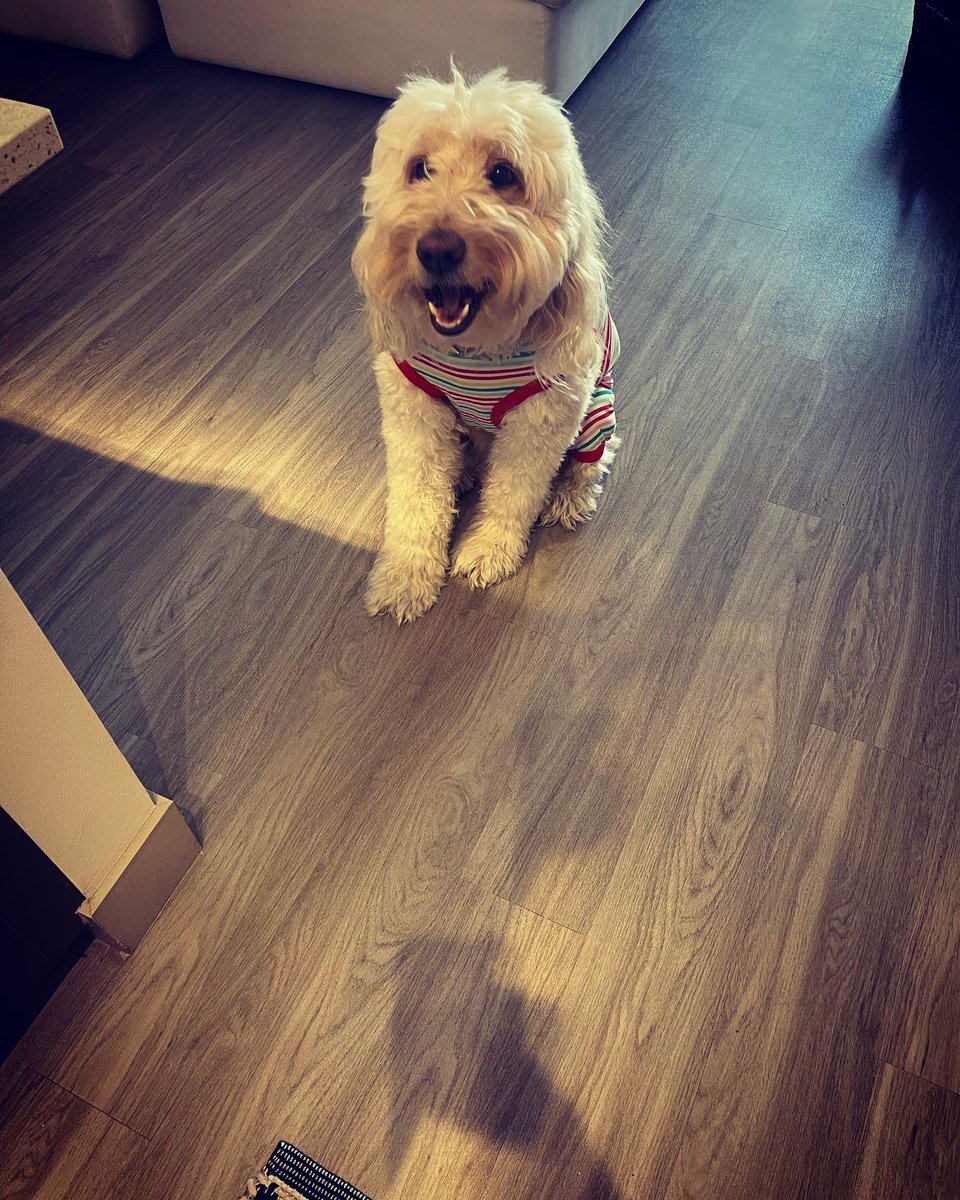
x,y
119,27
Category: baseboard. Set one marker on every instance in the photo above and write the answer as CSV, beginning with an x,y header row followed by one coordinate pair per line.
x,y
133,894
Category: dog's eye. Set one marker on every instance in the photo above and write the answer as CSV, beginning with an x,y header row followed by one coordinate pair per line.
x,y
502,175
419,170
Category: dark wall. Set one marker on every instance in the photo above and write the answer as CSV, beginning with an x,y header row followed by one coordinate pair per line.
x,y
40,934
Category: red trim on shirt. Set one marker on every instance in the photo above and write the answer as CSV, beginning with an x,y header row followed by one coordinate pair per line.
x,y
594,454
503,406
418,380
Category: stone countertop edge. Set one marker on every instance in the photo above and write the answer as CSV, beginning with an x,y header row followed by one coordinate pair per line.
x,y
28,137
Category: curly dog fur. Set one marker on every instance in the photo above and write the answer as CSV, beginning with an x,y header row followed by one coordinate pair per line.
x,y
491,171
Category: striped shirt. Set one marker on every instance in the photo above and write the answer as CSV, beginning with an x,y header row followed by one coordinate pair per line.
x,y
483,390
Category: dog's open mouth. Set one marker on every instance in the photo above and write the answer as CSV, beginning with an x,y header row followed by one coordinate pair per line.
x,y
452,307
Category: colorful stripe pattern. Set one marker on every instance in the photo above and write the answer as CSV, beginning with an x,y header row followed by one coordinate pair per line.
x,y
483,390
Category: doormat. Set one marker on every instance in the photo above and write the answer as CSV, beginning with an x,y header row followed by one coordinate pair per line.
x,y
292,1175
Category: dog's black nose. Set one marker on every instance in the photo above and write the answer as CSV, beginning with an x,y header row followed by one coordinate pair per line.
x,y
441,251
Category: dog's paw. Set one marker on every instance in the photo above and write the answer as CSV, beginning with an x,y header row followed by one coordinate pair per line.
x,y
403,588
572,503
484,558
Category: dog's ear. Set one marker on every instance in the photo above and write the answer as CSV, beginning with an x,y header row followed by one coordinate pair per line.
x,y
385,332
564,330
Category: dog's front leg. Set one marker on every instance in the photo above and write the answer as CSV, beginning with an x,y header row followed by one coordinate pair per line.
x,y
424,457
526,455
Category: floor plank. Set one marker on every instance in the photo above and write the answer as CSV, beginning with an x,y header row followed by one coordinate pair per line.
x,y
653,959
802,1006
921,1033
913,1148
897,662
842,221
53,1145
791,152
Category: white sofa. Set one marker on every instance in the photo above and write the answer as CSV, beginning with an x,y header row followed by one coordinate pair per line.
x,y
119,27
370,45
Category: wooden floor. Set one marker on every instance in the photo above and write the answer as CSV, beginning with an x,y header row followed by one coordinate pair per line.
x,y
635,878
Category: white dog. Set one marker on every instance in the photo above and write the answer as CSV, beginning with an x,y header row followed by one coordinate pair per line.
x,y
481,264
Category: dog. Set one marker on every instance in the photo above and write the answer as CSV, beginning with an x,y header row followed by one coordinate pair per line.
x,y
482,269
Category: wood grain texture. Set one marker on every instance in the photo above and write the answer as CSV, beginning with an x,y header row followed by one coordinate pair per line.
x,y
913,1147
803,1005
54,1145
897,666
652,962
921,1033
841,221
434,818
435,1033
625,878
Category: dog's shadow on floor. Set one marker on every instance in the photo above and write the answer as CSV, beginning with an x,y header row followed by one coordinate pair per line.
x,y
464,1053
